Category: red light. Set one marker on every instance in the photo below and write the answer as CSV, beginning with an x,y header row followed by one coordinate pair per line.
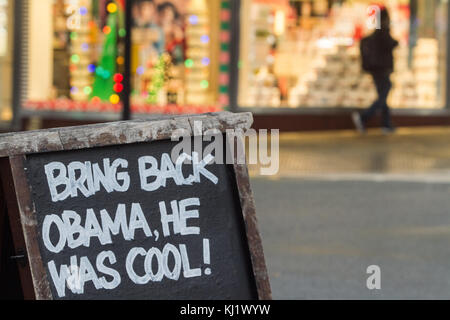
x,y
118,77
118,87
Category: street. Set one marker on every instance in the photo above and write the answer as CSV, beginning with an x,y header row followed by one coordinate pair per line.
x,y
352,202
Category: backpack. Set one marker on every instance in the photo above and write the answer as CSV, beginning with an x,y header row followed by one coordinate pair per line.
x,y
369,54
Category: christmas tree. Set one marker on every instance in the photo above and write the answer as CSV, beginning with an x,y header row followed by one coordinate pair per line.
x,y
104,81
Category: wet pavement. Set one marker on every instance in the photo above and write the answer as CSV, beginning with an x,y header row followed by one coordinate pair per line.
x,y
342,202
409,151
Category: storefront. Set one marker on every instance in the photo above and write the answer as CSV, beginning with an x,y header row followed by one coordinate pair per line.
x,y
294,63
86,60
301,58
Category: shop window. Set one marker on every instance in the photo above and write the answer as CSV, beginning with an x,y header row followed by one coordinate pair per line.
x,y
6,60
306,54
76,55
174,61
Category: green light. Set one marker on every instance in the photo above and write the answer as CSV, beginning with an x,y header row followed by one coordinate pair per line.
x,y
75,58
73,35
106,74
122,32
87,91
204,84
189,63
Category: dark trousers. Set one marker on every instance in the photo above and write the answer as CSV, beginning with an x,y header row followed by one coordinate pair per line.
x,y
383,84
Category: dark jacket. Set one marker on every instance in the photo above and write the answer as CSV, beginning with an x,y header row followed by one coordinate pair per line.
x,y
380,46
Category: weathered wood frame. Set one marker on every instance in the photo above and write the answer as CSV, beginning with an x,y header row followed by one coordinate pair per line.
x,y
15,146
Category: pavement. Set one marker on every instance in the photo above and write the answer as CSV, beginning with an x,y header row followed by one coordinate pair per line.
x,y
342,202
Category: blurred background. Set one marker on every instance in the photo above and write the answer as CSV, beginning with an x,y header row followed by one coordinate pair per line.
x,y
341,201
294,64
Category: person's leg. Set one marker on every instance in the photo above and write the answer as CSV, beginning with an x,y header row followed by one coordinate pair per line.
x,y
386,113
367,114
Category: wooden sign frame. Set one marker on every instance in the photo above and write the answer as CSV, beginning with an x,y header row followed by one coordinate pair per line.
x,y
14,147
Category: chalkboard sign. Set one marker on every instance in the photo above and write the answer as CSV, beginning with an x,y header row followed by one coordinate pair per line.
x,y
105,212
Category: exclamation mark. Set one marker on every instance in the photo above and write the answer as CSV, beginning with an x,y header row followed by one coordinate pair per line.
x,y
206,256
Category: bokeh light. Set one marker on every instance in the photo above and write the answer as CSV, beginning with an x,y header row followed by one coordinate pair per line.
x,y
118,87
114,99
204,84
140,70
206,61
189,63
83,11
91,68
87,90
75,58
118,77
204,38
112,7
193,19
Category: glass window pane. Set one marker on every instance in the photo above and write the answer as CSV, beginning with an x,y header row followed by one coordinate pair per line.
x,y
428,52
76,55
173,65
306,53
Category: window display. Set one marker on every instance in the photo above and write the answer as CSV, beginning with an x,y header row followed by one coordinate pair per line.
x,y
77,56
172,54
306,54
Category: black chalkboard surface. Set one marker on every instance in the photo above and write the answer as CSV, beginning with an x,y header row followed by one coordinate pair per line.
x,y
223,272
106,212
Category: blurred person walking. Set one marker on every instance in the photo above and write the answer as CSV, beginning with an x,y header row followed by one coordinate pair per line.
x,y
378,60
